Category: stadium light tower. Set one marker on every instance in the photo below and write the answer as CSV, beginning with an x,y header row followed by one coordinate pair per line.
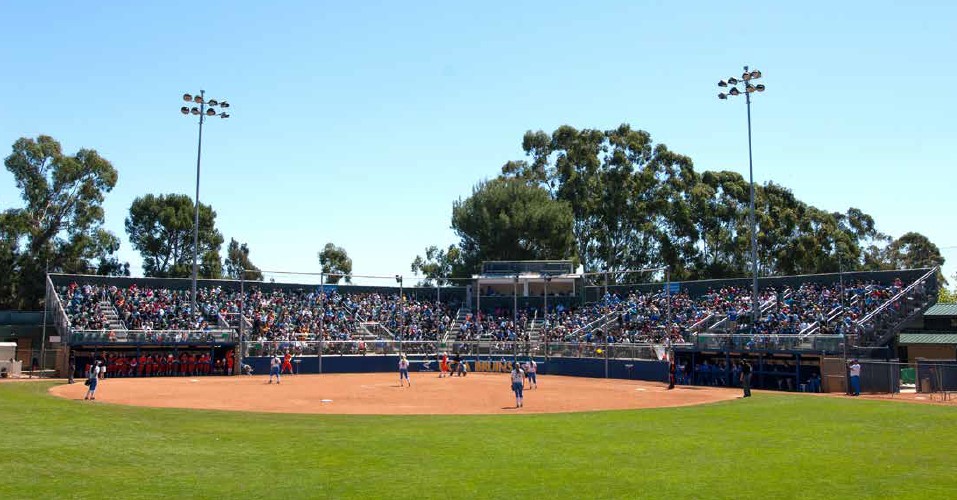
x,y
209,108
748,88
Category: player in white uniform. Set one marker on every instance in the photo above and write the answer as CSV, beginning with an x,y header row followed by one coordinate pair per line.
x,y
274,364
518,382
96,371
532,370
404,371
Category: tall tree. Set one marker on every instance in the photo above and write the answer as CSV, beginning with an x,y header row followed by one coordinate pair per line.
x,y
627,195
8,261
161,228
636,204
439,265
238,265
510,219
59,228
946,296
336,263
914,250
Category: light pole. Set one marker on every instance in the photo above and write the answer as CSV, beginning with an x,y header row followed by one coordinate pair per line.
x,y
746,79
399,313
242,317
547,279
515,300
206,108
840,270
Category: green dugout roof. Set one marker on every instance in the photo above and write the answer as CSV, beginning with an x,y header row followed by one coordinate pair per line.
x,y
927,338
942,310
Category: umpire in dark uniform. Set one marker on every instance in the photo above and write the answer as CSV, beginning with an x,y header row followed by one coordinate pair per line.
x,y
72,367
746,377
671,374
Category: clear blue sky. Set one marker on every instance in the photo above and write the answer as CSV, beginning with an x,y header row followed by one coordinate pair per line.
x,y
361,122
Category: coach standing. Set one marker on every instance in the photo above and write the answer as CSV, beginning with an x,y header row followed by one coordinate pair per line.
x,y
671,375
72,366
855,371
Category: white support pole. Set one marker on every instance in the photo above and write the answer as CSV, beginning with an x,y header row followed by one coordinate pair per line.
x,y
606,352
242,322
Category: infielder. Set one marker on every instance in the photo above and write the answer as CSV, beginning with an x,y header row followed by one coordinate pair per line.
x,y
518,382
404,371
274,365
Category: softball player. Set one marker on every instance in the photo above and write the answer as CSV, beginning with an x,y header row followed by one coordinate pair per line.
x,y
518,382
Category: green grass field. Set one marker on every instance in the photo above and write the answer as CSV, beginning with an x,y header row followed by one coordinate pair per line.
x,y
771,446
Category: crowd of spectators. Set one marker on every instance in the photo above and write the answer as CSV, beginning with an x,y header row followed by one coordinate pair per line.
x,y
500,324
641,317
825,309
271,315
139,308
638,317
81,304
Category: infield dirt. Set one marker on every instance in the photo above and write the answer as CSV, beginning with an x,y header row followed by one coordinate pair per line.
x,y
380,394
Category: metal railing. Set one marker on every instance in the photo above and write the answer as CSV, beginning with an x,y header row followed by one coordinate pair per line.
x,y
810,330
743,315
108,309
773,342
704,323
376,329
903,293
602,321
221,321
451,326
881,323
152,336
60,318
492,350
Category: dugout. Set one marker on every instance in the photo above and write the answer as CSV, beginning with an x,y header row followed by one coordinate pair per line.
x,y
85,356
936,375
780,371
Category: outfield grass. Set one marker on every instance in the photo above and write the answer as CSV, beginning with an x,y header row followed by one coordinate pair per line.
x,y
771,446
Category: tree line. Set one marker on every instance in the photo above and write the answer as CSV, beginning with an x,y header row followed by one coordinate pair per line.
x,y
612,200
59,228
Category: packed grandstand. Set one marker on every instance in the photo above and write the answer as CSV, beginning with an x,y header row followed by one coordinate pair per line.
x,y
133,310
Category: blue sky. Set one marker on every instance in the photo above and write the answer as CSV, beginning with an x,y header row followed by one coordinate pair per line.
x,y
360,124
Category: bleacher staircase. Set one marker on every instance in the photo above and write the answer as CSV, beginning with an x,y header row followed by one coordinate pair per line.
x,y
113,320
879,326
